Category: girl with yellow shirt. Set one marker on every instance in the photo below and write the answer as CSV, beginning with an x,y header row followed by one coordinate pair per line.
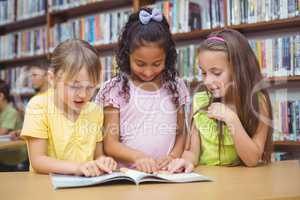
x,y
63,129
232,120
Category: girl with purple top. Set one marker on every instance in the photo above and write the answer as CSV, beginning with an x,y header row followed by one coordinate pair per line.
x,y
144,104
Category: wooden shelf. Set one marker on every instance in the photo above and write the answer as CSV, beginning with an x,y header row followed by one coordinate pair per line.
x,y
244,28
23,61
88,9
284,79
106,47
23,24
194,35
267,26
287,146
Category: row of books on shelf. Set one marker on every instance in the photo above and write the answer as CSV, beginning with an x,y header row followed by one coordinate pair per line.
x,y
19,79
278,56
286,120
253,11
188,63
23,43
55,5
109,67
97,29
7,9
185,16
25,9
30,8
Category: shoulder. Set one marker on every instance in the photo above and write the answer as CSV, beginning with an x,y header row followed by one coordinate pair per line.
x,y
40,100
111,93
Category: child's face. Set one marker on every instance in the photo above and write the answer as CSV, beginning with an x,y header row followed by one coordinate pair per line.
x,y
38,77
75,93
147,62
215,72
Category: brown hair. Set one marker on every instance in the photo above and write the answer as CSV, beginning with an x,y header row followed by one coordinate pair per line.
x,y
246,76
5,90
70,56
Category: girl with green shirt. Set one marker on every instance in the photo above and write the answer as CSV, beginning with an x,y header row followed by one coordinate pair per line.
x,y
231,122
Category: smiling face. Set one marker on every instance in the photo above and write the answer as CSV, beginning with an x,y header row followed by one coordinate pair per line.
x,y
147,62
216,72
75,93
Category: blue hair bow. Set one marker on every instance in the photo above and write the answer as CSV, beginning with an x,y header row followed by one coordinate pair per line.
x,y
145,17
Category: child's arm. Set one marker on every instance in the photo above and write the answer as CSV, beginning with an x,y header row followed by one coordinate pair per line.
x,y
42,163
190,157
114,148
179,141
3,131
108,164
249,149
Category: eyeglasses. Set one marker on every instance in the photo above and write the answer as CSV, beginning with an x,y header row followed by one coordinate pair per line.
x,y
78,88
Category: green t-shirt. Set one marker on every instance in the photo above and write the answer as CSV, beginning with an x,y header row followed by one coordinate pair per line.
x,y
208,130
10,118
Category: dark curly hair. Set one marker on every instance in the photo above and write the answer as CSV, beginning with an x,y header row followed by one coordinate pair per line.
x,y
134,35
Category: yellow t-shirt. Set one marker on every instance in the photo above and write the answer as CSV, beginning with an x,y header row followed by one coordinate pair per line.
x,y
67,140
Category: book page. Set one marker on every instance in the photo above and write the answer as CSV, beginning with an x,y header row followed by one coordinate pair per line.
x,y
183,177
65,181
5,138
140,177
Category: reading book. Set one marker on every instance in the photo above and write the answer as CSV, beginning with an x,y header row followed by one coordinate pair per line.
x,y
5,138
137,177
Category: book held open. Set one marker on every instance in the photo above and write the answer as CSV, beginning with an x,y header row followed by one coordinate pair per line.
x,y
137,177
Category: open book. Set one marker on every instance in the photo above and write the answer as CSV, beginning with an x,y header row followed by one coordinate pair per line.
x,y
5,138
137,177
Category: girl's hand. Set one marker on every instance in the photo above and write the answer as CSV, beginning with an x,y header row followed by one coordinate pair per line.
x,y
147,165
88,169
106,164
15,135
221,112
164,162
180,165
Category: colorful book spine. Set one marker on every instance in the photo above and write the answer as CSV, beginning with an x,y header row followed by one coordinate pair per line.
x,y
18,78
109,67
189,15
253,11
97,29
286,120
7,13
55,5
24,43
278,56
30,8
188,63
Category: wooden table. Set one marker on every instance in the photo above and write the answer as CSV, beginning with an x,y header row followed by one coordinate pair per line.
x,y
11,145
280,180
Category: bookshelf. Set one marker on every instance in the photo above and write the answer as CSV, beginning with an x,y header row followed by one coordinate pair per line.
x,y
23,24
78,11
53,17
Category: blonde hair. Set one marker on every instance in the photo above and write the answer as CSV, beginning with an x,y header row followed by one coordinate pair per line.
x,y
70,56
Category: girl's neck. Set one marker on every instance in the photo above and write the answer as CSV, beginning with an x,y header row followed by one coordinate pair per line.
x,y
44,88
69,113
3,105
148,86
